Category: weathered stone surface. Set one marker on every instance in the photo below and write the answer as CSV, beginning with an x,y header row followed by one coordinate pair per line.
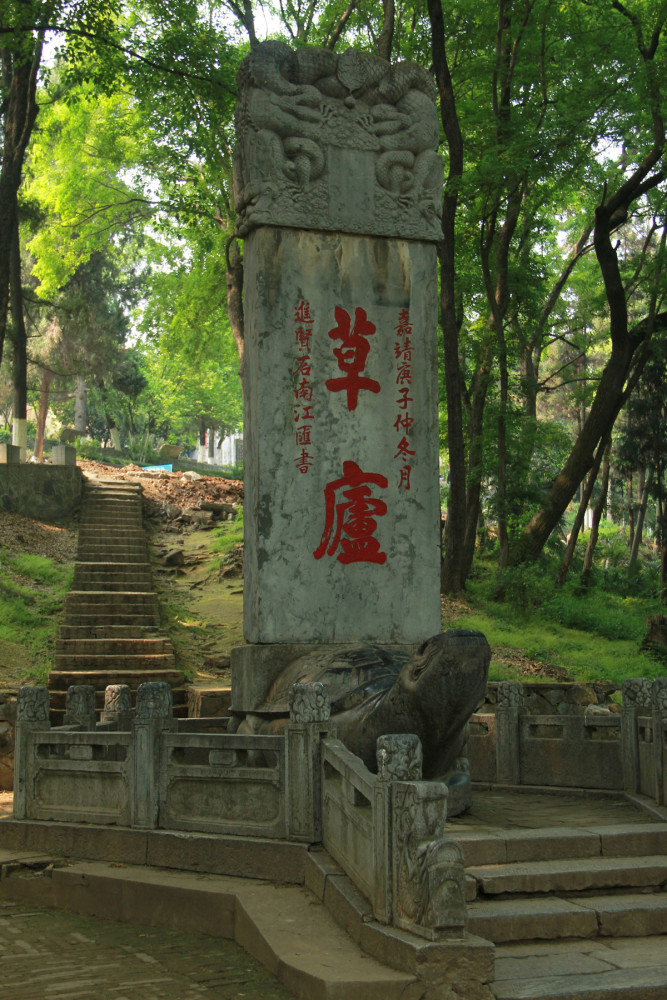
x,y
63,454
154,701
572,875
306,579
46,492
80,706
527,919
428,891
631,915
33,704
336,142
309,702
399,757
10,454
430,695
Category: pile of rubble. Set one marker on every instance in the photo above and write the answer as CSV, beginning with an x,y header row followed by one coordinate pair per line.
x,y
178,496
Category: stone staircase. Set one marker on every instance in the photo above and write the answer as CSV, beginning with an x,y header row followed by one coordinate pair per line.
x,y
111,633
574,912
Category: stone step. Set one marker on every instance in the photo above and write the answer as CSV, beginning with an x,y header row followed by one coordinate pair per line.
x,y
98,619
552,917
570,875
105,576
118,646
114,661
113,569
114,542
552,843
118,599
108,632
130,509
108,530
619,969
113,573
60,680
135,553
123,585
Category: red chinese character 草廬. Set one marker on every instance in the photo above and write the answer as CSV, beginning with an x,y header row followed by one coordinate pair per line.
x,y
352,355
351,513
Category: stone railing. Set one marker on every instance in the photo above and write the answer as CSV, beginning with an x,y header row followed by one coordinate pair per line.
x,y
135,769
591,750
387,831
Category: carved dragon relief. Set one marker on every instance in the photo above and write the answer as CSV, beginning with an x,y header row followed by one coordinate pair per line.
x,y
307,119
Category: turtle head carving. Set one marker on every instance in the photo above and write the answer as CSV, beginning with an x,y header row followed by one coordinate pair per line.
x,y
437,691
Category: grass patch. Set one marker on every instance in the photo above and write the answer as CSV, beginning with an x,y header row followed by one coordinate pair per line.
x,y
593,633
32,596
228,535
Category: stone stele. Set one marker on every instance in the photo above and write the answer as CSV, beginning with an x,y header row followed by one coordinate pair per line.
x,y
336,142
338,186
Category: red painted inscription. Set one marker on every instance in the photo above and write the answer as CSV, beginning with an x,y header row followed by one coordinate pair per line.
x,y
351,512
352,355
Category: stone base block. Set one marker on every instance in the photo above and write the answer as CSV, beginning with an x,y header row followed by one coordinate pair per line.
x,y
256,667
63,454
10,454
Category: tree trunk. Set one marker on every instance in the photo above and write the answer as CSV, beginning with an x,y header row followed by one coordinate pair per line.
x,y
634,552
114,433
20,343
481,384
47,377
631,511
201,451
80,406
597,516
611,391
20,67
234,279
384,42
608,401
211,446
453,569
579,519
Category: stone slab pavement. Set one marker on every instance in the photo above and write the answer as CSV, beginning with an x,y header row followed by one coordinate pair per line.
x,y
532,810
632,967
53,955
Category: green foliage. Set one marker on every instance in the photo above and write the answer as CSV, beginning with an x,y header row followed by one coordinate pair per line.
x,y
594,633
32,594
89,450
228,535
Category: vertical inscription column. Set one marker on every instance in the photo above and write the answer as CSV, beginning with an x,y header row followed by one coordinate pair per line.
x,y
338,185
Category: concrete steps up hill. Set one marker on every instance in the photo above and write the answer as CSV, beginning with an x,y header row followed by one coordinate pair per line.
x,y
576,914
112,633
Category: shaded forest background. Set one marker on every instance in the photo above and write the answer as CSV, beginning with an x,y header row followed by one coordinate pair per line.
x,y
121,281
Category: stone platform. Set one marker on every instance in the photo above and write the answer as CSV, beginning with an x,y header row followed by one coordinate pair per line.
x,y
562,943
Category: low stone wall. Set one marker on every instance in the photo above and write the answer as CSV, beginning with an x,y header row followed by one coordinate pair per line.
x,y
600,746
558,697
45,492
7,725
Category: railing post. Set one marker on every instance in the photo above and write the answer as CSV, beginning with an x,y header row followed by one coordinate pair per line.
x,y
508,737
80,707
426,868
399,758
118,706
32,715
636,693
310,710
153,717
659,713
